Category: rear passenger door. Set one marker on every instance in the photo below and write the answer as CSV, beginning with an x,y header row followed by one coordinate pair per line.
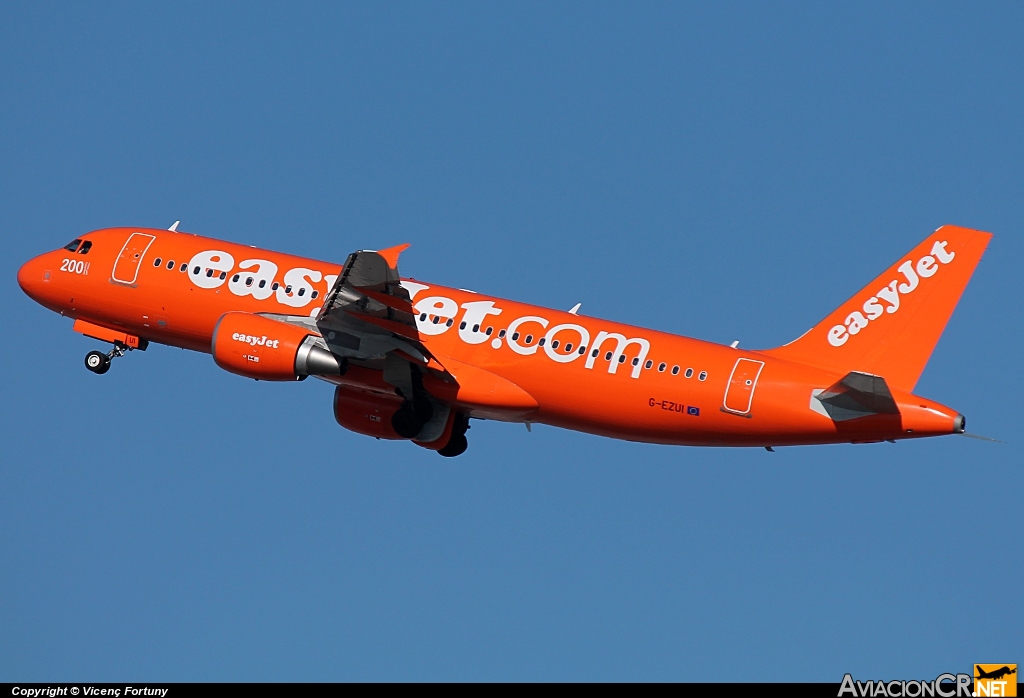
x,y
739,394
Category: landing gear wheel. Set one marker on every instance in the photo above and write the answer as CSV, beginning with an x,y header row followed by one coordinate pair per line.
x,y
424,410
457,443
406,422
97,362
456,446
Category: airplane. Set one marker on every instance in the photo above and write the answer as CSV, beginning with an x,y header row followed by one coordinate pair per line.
x,y
416,361
995,674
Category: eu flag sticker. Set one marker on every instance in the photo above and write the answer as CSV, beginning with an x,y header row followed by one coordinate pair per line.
x,y
695,411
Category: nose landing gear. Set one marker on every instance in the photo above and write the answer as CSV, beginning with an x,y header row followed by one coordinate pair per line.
x,y
99,363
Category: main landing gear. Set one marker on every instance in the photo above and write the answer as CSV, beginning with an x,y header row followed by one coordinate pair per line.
x,y
457,444
417,408
99,363
411,417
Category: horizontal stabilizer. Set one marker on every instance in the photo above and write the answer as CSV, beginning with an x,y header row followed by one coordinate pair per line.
x,y
857,395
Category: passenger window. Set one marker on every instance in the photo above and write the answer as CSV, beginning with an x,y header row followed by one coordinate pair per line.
x,y
223,275
583,349
554,345
302,291
275,286
529,338
86,246
661,368
263,284
195,270
73,245
541,342
595,353
675,370
648,364
703,375
314,295
689,373
476,328
288,288
423,316
515,336
170,265
608,356
501,333
157,262
622,358
209,272
489,330
235,278
451,321
462,325
184,266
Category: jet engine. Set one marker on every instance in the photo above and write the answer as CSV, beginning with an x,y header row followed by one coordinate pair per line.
x,y
258,347
366,412
382,416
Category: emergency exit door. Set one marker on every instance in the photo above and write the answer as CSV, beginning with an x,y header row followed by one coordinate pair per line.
x,y
739,394
126,268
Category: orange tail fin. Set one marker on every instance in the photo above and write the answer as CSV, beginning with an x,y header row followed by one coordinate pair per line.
x,y
891,326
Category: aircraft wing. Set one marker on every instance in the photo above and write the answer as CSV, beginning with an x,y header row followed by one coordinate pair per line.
x,y
368,314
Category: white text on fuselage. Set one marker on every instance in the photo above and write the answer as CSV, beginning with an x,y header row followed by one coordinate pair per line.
x,y
562,343
435,315
257,278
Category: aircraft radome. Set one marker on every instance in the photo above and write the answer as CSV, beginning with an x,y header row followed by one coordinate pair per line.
x,y
413,360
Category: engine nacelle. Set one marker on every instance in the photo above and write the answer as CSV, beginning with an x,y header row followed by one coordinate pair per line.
x,y
366,412
371,413
258,347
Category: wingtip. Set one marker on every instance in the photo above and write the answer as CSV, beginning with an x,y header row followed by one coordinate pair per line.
x,y
391,254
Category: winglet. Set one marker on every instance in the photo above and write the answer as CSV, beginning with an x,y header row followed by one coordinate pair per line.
x,y
390,255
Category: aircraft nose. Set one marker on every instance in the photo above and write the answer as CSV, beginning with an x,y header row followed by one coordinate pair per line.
x,y
30,277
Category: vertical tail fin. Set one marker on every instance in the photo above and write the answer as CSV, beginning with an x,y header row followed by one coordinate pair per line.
x,y
892,325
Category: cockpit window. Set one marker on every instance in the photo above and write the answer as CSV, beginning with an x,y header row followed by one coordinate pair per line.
x,y
73,245
86,246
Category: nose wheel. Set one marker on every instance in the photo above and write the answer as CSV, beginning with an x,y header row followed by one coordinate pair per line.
x,y
99,363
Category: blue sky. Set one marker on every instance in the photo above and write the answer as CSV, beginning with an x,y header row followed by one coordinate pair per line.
x,y
725,171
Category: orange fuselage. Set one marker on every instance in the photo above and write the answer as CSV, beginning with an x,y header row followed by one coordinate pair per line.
x,y
558,368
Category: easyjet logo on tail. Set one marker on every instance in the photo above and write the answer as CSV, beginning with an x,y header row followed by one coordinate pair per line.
x,y
890,295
